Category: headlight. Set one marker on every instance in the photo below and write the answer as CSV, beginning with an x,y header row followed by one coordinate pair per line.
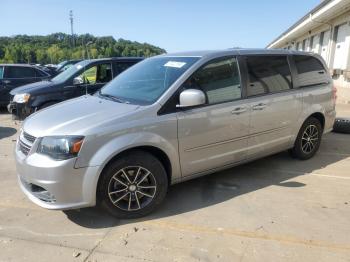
x,y
60,148
21,98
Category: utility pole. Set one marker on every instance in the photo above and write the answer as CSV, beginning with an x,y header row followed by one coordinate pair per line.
x,y
71,26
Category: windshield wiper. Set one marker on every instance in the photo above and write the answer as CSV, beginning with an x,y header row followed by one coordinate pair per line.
x,y
114,98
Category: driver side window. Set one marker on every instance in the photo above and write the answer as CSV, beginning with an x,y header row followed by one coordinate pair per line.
x,y
89,75
219,80
97,74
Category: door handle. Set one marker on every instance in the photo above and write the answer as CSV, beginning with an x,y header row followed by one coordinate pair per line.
x,y
260,106
238,110
6,81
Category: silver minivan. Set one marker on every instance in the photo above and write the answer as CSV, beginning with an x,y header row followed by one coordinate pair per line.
x,y
171,118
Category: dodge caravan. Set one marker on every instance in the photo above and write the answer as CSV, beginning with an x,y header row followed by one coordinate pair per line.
x,y
171,118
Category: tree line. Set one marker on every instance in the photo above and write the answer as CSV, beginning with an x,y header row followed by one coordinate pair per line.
x,y
54,48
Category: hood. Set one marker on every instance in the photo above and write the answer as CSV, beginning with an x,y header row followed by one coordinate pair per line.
x,y
75,116
33,87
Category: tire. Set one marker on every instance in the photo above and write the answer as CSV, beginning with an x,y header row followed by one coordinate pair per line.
x,y
308,140
342,125
132,186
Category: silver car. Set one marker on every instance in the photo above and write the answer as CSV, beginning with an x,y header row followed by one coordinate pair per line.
x,y
171,118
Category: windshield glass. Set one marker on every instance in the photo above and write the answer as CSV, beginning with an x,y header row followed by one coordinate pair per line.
x,y
146,81
65,75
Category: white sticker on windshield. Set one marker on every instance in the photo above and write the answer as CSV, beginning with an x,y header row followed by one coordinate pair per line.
x,y
175,64
79,66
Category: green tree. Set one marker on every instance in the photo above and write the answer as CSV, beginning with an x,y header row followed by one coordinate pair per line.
x,y
57,47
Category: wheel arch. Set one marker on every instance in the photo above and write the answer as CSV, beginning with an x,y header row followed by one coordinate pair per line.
x,y
319,116
153,150
316,114
42,101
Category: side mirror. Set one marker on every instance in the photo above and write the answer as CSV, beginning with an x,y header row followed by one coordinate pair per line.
x,y
191,97
78,81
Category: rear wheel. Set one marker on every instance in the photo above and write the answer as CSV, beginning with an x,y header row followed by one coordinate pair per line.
x,y
308,140
133,185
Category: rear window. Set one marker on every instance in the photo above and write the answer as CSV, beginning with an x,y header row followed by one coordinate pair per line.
x,y
19,72
310,70
268,74
1,72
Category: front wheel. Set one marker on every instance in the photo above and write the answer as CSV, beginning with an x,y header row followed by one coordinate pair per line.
x,y
308,140
133,185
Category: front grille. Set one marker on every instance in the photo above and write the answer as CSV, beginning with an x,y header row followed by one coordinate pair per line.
x,y
28,137
25,142
24,148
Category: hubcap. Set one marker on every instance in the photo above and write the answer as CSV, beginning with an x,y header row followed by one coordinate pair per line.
x,y
132,188
309,139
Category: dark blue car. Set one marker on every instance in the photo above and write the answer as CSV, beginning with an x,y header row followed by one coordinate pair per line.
x,y
15,75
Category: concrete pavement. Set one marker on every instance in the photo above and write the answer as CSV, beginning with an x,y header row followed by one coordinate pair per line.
x,y
273,209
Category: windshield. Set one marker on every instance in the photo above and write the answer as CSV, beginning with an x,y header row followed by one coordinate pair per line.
x,y
146,81
65,75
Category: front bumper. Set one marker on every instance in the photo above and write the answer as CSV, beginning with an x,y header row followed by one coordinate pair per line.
x,y
56,184
19,110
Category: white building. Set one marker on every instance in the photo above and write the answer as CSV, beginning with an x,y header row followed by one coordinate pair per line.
x,y
324,30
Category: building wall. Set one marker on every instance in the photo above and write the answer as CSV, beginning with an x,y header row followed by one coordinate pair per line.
x,y
332,42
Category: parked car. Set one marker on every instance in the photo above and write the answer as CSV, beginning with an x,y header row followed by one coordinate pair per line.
x,y
87,76
14,75
66,64
57,69
171,118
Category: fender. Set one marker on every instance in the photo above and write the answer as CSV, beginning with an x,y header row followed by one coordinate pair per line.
x,y
120,144
42,99
307,112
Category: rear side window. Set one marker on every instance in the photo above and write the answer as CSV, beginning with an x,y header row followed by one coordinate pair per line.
x,y
1,72
19,72
268,74
219,80
310,70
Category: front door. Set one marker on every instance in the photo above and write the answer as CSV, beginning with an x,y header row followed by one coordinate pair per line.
x,y
275,106
214,135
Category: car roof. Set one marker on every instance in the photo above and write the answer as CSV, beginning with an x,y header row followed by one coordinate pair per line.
x,y
116,59
24,65
237,51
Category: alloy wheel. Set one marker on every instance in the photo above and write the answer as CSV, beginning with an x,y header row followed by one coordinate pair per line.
x,y
309,139
132,188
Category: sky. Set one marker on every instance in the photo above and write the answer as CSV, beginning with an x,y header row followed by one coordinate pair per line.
x,y
176,25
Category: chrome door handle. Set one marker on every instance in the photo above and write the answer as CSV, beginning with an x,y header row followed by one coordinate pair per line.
x,y
6,82
238,110
260,106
